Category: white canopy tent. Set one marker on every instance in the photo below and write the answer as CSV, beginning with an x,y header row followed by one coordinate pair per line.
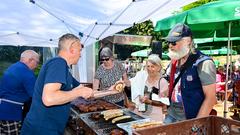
x,y
40,23
136,12
44,21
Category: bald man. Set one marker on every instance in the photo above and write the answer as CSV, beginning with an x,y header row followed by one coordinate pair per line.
x,y
54,90
16,88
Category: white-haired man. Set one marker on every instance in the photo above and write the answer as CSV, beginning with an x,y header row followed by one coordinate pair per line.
x,y
192,77
16,88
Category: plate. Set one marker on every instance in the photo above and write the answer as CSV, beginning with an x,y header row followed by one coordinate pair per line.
x,y
128,125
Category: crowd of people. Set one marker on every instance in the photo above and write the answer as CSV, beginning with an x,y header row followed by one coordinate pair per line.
x,y
168,97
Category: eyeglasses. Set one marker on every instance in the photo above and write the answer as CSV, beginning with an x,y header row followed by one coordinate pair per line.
x,y
105,59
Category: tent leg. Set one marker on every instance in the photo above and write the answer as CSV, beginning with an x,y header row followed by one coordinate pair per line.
x,y
227,78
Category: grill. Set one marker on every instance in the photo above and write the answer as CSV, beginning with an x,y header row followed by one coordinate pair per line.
x,y
80,120
102,127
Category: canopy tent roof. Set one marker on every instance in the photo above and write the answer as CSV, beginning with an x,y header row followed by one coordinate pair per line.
x,y
47,20
42,23
150,9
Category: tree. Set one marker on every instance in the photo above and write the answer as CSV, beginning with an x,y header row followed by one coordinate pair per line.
x,y
11,54
143,29
196,4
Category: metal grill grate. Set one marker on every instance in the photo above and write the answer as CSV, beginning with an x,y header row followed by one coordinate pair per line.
x,y
102,127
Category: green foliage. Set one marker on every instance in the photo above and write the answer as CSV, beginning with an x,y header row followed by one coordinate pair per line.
x,y
124,51
11,54
3,67
144,29
37,70
196,4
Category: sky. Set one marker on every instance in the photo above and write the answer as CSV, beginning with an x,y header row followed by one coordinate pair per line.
x,y
53,17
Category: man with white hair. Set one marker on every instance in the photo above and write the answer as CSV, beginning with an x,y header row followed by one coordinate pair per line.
x,y
192,82
54,90
16,88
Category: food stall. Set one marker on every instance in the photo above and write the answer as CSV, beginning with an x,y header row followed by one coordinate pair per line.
x,y
98,117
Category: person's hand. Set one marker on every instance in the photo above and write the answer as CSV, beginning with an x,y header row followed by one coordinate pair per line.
x,y
86,92
144,99
131,106
119,86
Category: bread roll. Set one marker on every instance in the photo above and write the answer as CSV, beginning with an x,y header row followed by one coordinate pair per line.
x,y
119,87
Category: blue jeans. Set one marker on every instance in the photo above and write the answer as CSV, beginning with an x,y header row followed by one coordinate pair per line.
x,y
175,113
169,119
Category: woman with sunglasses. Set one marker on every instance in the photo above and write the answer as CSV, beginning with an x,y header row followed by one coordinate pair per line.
x,y
108,74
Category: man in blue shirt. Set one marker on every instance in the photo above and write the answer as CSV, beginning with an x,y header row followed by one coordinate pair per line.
x,y
16,88
54,90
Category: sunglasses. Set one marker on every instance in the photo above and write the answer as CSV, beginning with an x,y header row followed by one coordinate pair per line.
x,y
172,43
105,59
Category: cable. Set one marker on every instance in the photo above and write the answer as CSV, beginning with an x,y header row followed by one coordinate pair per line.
x,y
6,35
115,19
89,33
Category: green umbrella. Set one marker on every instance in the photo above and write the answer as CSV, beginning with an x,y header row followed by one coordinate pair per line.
x,y
219,19
222,51
207,21
141,53
213,39
146,52
210,52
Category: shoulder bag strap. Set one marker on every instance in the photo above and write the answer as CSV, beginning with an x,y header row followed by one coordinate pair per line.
x,y
191,59
171,79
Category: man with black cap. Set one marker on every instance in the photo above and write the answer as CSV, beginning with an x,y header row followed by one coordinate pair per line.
x,y
192,77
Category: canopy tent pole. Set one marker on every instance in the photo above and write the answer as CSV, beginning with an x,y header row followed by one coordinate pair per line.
x,y
226,81
231,64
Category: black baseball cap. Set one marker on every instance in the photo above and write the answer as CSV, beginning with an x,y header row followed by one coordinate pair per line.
x,y
178,32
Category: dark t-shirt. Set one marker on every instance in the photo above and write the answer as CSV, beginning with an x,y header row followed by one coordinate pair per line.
x,y
109,77
17,85
49,120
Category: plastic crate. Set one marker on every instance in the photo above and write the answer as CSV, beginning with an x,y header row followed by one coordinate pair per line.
x,y
212,125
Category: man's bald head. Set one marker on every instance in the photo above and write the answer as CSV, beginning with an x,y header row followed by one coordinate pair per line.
x,y
28,54
30,58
